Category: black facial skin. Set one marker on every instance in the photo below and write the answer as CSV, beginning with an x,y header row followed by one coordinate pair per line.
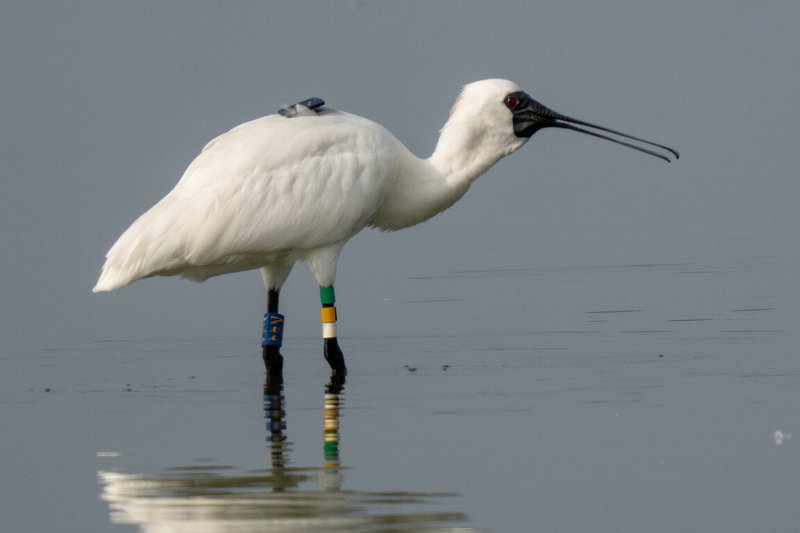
x,y
529,116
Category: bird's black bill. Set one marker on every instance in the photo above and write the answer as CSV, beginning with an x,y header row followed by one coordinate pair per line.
x,y
531,116
568,126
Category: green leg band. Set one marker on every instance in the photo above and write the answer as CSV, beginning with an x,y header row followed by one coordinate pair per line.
x,y
327,296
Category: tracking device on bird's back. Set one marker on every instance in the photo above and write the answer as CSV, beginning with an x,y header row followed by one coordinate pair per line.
x,y
312,104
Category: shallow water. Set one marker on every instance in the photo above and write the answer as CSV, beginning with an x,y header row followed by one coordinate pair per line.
x,y
652,398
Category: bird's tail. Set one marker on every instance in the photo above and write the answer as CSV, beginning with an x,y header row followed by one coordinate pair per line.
x,y
145,249
110,279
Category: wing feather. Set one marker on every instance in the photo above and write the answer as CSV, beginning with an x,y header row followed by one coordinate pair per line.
x,y
266,189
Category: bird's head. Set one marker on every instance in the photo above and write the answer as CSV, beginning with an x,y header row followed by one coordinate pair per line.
x,y
497,112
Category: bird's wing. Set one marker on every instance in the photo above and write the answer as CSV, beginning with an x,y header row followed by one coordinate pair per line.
x,y
268,187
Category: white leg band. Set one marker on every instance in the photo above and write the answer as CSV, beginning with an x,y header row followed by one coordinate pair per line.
x,y
328,330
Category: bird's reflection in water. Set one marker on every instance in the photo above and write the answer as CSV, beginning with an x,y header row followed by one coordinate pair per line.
x,y
278,447
275,419
331,477
280,498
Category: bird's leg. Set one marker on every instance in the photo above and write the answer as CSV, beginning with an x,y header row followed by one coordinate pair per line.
x,y
332,352
272,337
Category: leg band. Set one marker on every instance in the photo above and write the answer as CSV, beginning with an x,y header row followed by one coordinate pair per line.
x,y
327,296
328,314
272,334
329,330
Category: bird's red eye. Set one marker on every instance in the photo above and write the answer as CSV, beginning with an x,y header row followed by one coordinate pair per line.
x,y
511,101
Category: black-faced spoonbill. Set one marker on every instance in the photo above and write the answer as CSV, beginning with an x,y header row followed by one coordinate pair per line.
x,y
298,184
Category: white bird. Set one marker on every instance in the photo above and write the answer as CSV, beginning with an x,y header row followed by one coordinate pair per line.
x,y
296,185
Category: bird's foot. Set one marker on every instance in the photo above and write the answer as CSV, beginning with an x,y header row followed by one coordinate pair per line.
x,y
273,360
333,354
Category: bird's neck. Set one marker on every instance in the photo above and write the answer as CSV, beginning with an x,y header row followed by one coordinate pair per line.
x,y
424,187
464,152
417,192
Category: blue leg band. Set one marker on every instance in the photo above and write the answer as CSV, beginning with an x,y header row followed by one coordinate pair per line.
x,y
272,334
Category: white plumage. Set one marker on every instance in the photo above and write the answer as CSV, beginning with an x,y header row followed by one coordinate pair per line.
x,y
276,190
280,189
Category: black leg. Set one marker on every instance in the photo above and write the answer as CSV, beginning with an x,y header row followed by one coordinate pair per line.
x,y
272,338
333,354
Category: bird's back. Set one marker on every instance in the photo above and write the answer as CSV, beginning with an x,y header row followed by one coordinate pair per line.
x,y
267,190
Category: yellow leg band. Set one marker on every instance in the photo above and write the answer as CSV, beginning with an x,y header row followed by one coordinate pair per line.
x,y
328,314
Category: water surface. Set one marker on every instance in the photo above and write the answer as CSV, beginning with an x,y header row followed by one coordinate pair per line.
x,y
656,398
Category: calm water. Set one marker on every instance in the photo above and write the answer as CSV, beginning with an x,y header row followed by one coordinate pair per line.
x,y
651,398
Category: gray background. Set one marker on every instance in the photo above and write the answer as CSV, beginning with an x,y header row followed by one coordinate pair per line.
x,y
105,104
